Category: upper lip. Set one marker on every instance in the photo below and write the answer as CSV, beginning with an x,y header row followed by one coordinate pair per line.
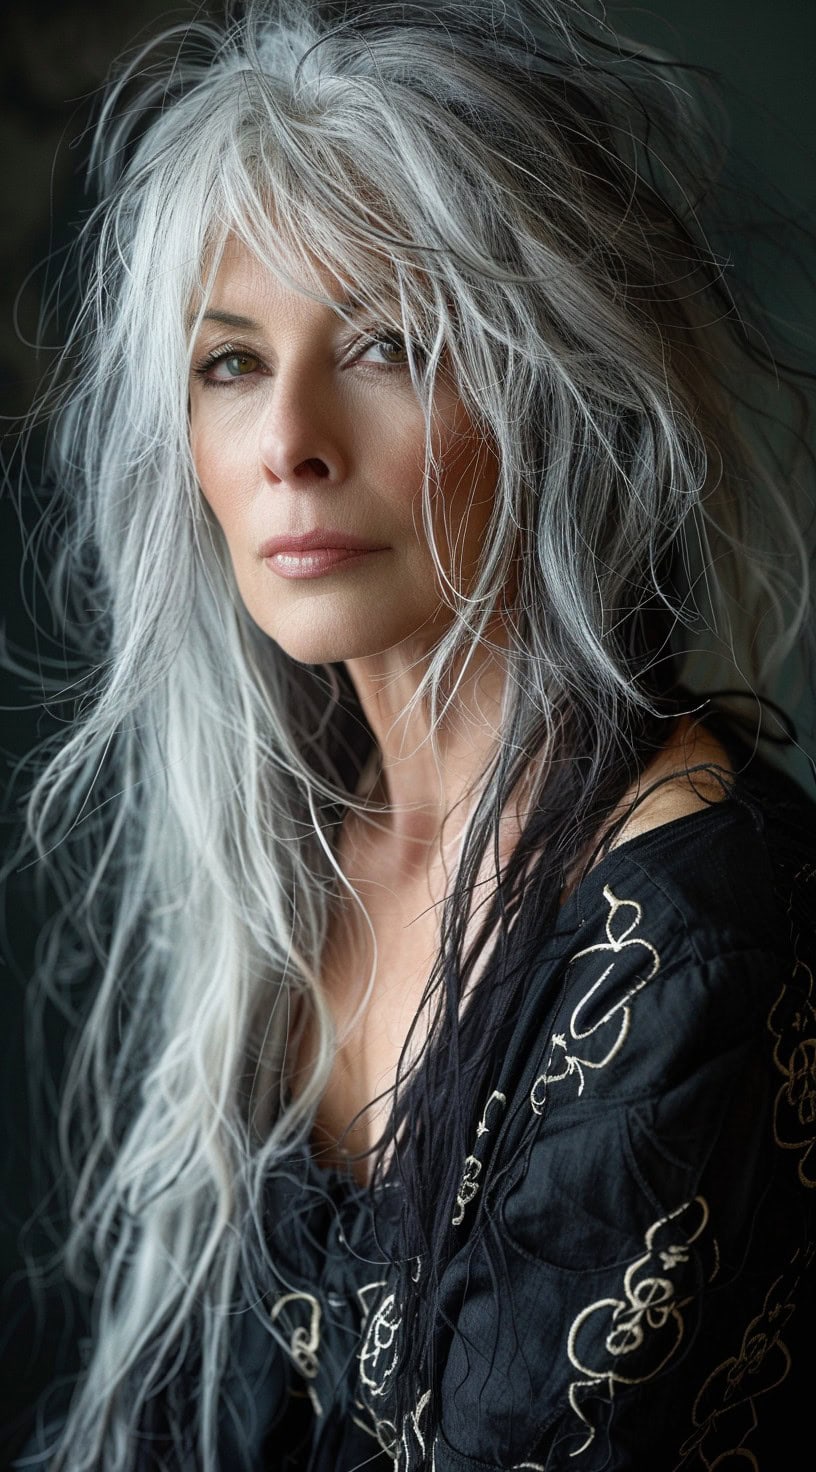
x,y
320,537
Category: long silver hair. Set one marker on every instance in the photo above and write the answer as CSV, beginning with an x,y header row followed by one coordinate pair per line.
x,y
511,175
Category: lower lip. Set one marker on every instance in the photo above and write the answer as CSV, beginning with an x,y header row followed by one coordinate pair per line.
x,y
318,562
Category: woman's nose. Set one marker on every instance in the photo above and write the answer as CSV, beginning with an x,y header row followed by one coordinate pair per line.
x,y
300,435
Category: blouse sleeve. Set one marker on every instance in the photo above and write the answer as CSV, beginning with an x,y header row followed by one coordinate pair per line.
x,y
636,1296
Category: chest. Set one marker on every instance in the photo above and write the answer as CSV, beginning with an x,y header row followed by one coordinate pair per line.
x,y
373,977
372,982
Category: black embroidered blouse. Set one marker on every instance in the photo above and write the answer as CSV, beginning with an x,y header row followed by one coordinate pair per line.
x,y
639,1297
642,1297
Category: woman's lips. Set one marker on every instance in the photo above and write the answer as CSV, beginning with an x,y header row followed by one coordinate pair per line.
x,y
316,562
314,553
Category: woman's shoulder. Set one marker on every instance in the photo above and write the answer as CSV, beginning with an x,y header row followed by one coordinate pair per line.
x,y
642,1177
691,941
726,871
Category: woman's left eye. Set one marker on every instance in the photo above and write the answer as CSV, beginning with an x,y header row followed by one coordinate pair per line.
x,y
385,343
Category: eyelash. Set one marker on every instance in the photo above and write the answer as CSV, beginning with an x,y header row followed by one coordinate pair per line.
x,y
234,350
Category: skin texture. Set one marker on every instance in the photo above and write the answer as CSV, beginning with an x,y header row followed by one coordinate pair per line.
x,y
308,423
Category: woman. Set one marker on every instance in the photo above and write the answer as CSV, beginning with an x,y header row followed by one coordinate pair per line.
x,y
444,1098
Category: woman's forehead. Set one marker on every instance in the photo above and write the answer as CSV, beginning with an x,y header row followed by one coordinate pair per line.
x,y
248,270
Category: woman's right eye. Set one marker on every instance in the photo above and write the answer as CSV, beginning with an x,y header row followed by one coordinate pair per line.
x,y
227,366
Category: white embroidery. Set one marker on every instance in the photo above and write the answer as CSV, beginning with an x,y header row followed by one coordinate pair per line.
x,y
416,1417
469,1184
304,1342
610,1030
378,1353
409,1443
368,1294
402,1450
727,1404
468,1187
377,1358
792,1023
606,1335
384,1432
482,1126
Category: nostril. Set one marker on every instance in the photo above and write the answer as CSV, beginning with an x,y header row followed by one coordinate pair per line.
x,y
315,466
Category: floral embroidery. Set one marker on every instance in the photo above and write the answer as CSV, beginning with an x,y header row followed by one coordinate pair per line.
x,y
304,1341
412,1425
402,1450
792,1023
378,1353
468,1187
725,1411
384,1432
627,1340
469,1184
604,1035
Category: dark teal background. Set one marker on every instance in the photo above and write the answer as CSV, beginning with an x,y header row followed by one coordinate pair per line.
x,y
764,53
53,57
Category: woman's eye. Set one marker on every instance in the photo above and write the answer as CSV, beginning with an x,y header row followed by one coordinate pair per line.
x,y
388,345
231,366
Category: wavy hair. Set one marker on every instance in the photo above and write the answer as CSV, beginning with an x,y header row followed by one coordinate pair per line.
x,y
531,191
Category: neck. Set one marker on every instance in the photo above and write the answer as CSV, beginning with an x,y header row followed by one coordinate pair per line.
x,y
424,781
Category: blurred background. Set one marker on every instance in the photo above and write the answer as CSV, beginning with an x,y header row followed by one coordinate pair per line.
x,y
54,58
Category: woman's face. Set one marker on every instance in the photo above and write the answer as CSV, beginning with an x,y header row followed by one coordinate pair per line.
x,y
304,425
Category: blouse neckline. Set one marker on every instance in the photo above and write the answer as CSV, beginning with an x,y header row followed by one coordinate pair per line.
x,y
739,783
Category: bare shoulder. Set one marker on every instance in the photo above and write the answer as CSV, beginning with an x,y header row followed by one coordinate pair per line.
x,y
670,787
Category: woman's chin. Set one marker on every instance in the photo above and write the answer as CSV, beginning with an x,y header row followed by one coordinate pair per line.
x,y
332,645
328,633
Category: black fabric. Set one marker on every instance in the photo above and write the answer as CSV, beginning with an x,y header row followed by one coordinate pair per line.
x,y
634,1286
